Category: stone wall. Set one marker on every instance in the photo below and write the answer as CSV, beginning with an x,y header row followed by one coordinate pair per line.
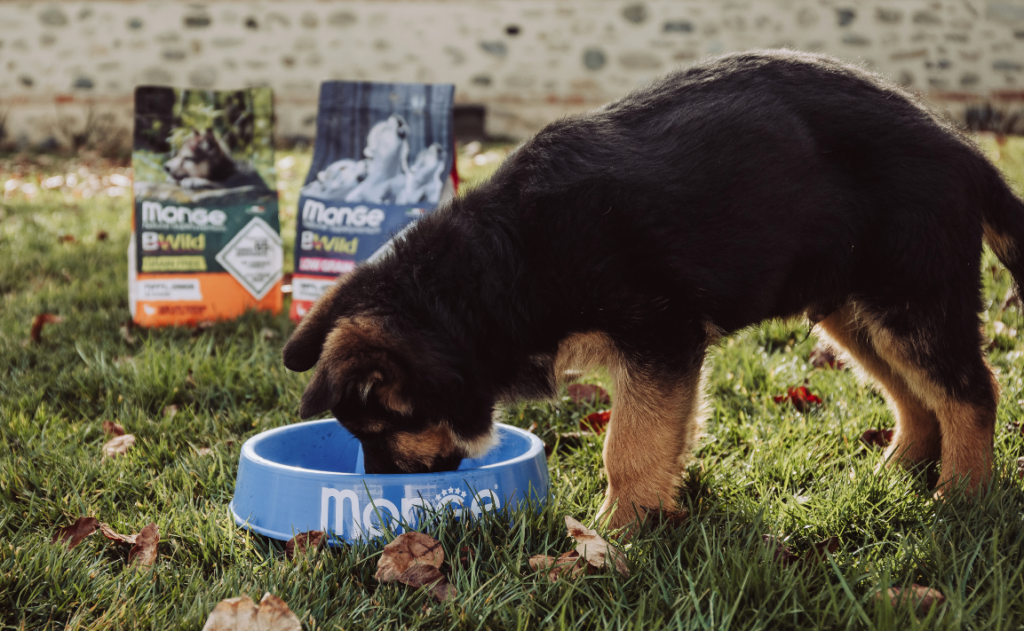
x,y
527,61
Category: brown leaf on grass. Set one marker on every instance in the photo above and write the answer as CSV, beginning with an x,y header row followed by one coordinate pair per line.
x,y
408,549
594,549
143,553
923,598
466,558
102,235
596,422
66,238
822,356
110,428
819,552
267,334
203,451
782,554
170,411
415,559
118,446
113,535
36,333
876,437
76,532
588,393
800,397
424,575
241,614
311,540
568,564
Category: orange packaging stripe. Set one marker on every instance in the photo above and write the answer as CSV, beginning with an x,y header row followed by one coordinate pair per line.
x,y
223,298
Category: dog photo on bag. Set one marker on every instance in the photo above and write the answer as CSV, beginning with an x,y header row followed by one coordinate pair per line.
x,y
744,188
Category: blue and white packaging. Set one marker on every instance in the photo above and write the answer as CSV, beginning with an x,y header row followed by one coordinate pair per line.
x,y
384,157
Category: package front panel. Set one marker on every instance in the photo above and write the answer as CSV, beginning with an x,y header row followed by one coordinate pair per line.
x,y
383,158
206,239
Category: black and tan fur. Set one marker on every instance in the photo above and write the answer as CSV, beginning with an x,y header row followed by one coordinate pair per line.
x,y
752,186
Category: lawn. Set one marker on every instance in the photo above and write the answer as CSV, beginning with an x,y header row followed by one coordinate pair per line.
x,y
192,396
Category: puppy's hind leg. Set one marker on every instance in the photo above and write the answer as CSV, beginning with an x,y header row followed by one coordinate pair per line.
x,y
917,440
654,426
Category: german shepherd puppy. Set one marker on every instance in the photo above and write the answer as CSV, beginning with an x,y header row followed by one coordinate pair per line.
x,y
751,186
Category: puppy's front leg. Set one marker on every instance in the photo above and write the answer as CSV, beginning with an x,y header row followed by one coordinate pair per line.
x,y
654,426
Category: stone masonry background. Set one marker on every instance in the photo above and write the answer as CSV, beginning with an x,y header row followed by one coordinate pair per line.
x,y
69,68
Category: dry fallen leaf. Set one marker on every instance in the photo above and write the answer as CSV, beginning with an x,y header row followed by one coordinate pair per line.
x,y
408,549
118,445
594,549
170,411
311,540
113,535
924,598
232,614
76,532
267,334
782,554
819,552
36,333
596,422
110,428
876,437
800,397
204,451
403,557
588,393
241,614
568,563
143,553
102,235
467,557
423,575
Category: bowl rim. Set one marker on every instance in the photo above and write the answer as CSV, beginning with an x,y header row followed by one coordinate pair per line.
x,y
249,453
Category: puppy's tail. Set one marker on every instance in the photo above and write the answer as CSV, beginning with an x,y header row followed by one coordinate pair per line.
x,y
1003,218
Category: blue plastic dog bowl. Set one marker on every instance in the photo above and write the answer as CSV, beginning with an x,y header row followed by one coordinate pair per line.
x,y
308,476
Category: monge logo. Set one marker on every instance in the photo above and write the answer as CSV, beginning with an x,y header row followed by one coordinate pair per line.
x,y
363,520
358,217
155,213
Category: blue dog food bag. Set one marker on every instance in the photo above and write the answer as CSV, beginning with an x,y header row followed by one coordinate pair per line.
x,y
384,157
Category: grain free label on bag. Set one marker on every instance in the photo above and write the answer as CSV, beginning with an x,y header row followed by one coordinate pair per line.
x,y
206,239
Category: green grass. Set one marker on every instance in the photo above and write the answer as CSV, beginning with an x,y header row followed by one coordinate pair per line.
x,y
763,468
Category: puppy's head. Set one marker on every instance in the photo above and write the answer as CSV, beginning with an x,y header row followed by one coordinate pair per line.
x,y
393,389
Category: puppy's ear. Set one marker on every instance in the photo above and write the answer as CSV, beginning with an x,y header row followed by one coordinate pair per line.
x,y
360,359
307,341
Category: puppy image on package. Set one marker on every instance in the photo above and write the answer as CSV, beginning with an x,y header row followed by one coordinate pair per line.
x,y
203,162
384,175
751,186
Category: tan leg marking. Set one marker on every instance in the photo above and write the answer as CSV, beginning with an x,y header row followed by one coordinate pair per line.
x,y
965,430
653,429
917,438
